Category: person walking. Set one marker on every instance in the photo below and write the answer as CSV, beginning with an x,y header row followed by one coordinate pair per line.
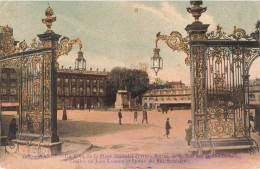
x,y
252,122
145,116
120,117
167,127
12,129
189,132
135,116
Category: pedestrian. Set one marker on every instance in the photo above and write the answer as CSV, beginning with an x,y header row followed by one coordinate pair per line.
x,y
166,110
12,129
120,117
135,115
167,127
189,132
92,106
64,117
252,122
145,116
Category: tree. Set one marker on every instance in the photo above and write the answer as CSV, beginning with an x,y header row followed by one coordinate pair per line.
x,y
135,81
157,83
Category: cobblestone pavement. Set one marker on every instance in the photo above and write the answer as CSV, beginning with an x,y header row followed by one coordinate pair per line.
x,y
95,140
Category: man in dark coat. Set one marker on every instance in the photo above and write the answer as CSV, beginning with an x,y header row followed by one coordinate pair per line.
x,y
135,116
167,127
145,116
12,129
120,117
189,132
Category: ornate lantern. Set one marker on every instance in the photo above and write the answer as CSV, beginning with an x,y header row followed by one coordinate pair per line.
x,y
80,63
156,61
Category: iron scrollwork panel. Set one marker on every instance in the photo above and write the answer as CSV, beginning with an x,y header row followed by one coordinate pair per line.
x,y
32,93
219,90
47,93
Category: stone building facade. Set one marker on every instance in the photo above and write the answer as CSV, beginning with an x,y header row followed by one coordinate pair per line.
x,y
81,89
175,96
9,89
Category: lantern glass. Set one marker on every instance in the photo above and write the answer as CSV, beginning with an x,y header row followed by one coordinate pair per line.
x,y
156,61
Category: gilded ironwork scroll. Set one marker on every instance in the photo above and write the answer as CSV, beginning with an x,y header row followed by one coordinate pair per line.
x,y
176,42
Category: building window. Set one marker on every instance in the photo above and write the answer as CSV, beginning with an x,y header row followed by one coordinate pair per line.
x,y
88,91
88,82
66,81
252,96
73,90
94,91
13,91
101,91
58,90
67,103
181,99
101,82
58,80
13,75
73,81
175,99
4,76
12,99
94,82
80,81
3,89
66,89
81,91
59,104
189,98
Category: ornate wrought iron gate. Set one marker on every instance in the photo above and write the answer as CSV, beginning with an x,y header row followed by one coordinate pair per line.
x,y
220,76
34,70
219,80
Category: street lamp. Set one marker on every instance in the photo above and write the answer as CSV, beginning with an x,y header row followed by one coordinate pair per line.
x,y
156,61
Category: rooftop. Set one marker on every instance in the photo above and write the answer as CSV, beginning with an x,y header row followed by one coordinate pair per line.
x,y
90,72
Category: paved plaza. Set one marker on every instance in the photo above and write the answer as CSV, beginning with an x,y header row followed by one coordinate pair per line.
x,y
94,139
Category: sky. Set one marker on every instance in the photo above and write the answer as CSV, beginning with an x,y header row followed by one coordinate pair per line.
x,y
123,33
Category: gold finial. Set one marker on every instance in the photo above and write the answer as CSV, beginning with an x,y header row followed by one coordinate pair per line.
x,y
196,10
49,18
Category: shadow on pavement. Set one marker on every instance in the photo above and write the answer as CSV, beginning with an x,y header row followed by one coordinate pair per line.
x,y
88,129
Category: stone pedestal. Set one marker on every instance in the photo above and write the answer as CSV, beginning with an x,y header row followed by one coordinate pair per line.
x,y
37,148
119,104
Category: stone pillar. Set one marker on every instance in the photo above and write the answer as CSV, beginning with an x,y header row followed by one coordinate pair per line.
x,y
197,31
